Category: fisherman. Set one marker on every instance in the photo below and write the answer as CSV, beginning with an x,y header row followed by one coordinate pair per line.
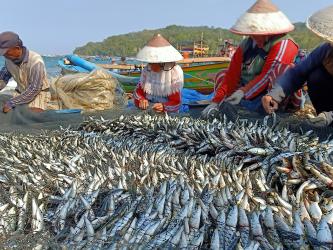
x,y
230,48
259,59
162,79
28,70
123,60
316,70
113,62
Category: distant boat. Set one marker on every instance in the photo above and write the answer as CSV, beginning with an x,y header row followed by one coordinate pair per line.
x,y
198,77
196,49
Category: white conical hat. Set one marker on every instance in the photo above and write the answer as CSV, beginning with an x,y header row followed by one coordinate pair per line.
x,y
321,23
263,18
158,50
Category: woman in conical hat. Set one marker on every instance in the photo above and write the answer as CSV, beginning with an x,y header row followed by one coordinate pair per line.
x,y
259,59
316,70
162,79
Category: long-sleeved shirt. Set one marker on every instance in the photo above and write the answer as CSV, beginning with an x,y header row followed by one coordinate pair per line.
x,y
317,71
163,87
296,77
35,83
5,76
170,103
282,53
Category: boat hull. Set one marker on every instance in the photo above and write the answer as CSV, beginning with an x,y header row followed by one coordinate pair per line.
x,y
197,77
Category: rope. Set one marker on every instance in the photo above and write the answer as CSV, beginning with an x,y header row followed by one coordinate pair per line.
x,y
204,80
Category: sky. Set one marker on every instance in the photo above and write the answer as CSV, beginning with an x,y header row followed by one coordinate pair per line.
x,y
59,26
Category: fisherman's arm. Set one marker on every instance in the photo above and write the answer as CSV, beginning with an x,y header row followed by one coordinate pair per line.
x,y
280,57
35,86
139,97
173,103
5,75
296,77
231,78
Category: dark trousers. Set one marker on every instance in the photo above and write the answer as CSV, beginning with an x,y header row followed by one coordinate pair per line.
x,y
320,89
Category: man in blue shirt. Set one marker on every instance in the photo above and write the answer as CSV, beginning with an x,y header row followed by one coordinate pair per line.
x,y
316,70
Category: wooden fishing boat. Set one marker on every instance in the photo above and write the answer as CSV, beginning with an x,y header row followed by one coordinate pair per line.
x,y
199,73
197,77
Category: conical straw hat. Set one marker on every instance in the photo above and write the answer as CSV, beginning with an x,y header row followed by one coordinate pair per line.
x,y
263,18
321,23
158,50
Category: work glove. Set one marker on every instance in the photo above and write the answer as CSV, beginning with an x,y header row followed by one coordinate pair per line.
x,y
236,97
209,110
323,119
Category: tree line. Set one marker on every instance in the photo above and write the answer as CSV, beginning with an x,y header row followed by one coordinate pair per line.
x,y
129,44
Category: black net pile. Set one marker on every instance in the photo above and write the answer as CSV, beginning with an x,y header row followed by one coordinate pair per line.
x,y
22,120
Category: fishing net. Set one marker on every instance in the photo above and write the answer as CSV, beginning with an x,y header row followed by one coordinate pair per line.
x,y
295,122
95,91
121,158
22,120
97,94
99,149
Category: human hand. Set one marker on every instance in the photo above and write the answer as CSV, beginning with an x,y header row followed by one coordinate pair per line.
x,y
6,107
269,104
236,97
143,104
158,107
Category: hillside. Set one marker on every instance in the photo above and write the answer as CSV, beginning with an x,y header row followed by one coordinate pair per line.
x,y
129,44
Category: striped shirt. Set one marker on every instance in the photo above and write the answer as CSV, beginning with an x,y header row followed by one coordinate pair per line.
x,y
164,88
5,76
35,83
170,103
280,56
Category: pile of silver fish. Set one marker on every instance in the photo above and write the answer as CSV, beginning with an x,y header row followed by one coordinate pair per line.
x,y
156,182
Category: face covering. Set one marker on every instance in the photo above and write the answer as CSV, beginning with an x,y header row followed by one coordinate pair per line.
x,y
164,82
155,67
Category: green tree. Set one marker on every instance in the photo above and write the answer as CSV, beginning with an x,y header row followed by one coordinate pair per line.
x,y
129,44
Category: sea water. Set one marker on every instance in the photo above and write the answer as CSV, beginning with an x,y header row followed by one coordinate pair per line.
x,y
51,64
52,68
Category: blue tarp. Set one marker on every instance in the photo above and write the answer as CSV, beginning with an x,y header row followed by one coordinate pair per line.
x,y
191,96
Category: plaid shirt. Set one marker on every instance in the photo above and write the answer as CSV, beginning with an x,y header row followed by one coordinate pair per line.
x,y
5,75
35,85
